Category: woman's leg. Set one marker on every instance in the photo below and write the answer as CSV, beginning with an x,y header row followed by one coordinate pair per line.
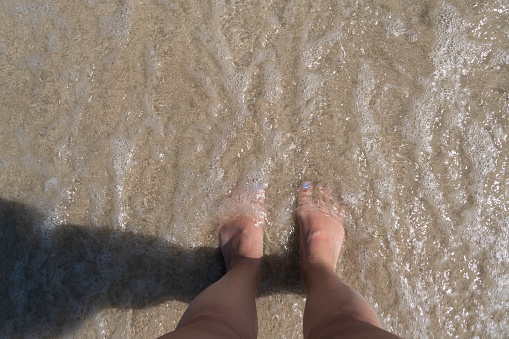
x,y
227,308
333,309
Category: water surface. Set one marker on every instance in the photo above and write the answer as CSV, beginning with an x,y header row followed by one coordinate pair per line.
x,y
125,123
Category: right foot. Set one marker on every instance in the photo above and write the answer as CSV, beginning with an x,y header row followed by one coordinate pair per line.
x,y
321,222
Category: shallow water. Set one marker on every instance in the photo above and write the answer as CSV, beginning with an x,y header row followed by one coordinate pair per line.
x,y
125,123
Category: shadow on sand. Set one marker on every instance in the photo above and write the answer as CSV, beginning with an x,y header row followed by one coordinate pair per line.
x,y
51,283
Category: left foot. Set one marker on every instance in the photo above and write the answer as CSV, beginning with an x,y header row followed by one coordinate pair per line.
x,y
242,215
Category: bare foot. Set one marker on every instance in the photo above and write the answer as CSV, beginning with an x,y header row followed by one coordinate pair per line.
x,y
321,225
242,215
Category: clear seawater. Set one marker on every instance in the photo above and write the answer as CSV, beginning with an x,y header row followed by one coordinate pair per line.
x,y
124,123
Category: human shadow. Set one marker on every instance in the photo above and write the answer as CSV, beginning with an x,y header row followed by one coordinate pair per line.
x,y
50,282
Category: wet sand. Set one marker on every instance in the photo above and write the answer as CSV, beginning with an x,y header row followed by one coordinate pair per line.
x,y
125,124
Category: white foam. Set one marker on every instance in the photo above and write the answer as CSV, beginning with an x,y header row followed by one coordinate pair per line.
x,y
204,167
395,27
483,155
310,79
244,202
273,87
453,49
29,12
452,55
3,164
122,153
499,58
153,62
54,43
499,133
482,152
309,83
370,134
119,25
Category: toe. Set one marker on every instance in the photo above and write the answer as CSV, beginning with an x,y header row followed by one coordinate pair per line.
x,y
305,194
327,195
334,202
257,192
319,195
247,201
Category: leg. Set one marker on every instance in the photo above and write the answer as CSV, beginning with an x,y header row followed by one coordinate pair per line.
x,y
333,309
227,308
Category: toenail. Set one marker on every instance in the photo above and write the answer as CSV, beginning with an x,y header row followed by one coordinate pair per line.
x,y
305,186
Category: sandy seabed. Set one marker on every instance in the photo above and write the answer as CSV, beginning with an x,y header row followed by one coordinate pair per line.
x,y
125,123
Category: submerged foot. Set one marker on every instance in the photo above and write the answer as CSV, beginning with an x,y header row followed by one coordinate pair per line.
x,y
242,215
321,222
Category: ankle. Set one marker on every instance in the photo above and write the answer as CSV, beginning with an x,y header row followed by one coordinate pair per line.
x,y
320,248
316,270
249,269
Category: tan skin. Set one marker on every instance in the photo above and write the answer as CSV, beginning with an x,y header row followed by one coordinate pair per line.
x,y
333,309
